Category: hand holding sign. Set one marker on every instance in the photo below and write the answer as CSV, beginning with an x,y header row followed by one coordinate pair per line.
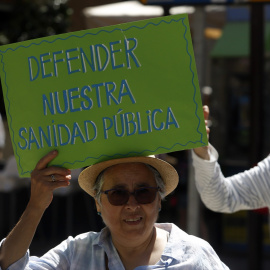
x,y
111,92
42,186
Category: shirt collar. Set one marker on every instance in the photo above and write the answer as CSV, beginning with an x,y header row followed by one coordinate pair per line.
x,y
103,238
172,249
177,238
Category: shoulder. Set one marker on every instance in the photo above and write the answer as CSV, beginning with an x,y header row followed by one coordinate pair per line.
x,y
189,240
189,249
188,244
177,236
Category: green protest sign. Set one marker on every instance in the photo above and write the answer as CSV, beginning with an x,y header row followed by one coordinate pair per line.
x,y
110,92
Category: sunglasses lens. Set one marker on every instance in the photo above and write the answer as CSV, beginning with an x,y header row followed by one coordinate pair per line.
x,y
118,196
121,196
145,195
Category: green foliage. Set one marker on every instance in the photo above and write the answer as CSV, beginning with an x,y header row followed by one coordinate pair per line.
x,y
30,19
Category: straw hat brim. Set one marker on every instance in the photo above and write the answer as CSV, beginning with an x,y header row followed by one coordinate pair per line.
x,y
168,173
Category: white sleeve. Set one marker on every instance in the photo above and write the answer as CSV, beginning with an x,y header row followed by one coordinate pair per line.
x,y
242,191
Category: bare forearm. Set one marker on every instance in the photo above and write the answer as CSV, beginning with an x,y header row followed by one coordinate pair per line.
x,y
18,241
202,152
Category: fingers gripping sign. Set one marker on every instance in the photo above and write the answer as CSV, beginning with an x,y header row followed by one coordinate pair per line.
x,y
203,151
206,113
45,179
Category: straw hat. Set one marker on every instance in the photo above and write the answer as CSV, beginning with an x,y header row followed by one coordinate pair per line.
x,y
168,174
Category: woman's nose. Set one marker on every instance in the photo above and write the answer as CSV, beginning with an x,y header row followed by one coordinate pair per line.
x,y
132,203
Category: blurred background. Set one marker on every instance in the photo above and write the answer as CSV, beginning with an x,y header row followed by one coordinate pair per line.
x,y
232,51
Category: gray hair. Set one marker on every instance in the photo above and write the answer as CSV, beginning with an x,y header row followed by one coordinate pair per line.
x,y
100,181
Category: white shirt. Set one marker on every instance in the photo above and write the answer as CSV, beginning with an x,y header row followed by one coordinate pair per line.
x,y
87,252
243,191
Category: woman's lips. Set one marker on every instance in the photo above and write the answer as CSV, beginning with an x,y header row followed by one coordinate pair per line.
x,y
133,221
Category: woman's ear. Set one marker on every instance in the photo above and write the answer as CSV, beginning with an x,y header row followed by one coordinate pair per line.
x,y
98,206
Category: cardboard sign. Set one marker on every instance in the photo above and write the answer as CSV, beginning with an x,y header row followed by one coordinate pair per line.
x,y
117,91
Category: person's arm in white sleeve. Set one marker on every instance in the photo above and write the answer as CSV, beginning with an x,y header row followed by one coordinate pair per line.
x,y
207,173
18,241
242,191
210,181
246,190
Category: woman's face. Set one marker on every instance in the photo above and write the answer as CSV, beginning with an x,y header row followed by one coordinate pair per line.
x,y
131,221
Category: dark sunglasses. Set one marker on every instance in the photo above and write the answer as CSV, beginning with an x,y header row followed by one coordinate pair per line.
x,y
143,195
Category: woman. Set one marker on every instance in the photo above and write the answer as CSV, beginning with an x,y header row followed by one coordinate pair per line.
x,y
128,194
